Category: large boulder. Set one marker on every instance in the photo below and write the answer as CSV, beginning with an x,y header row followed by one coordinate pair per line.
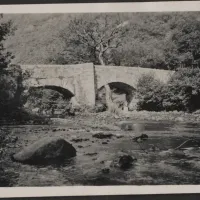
x,y
46,151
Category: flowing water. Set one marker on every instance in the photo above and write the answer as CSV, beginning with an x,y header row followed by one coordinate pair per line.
x,y
156,162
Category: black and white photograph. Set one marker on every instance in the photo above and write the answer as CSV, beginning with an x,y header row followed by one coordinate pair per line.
x,y
99,98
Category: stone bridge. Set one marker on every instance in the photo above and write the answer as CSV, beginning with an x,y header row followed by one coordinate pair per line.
x,y
82,81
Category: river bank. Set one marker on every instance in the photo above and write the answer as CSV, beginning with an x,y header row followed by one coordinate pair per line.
x,y
106,119
173,116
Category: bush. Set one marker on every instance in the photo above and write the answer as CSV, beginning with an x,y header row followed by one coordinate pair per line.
x,y
11,89
182,92
149,93
48,101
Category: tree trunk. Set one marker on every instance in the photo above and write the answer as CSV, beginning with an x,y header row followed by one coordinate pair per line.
x,y
101,59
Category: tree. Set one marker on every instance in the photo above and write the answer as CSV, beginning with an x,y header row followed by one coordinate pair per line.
x,y
183,90
10,76
149,93
91,38
6,29
11,88
183,46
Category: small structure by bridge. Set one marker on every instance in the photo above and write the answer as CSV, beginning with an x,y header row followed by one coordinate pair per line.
x,y
82,81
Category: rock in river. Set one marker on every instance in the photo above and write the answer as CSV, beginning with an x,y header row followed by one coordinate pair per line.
x,y
45,151
126,161
129,126
102,135
126,125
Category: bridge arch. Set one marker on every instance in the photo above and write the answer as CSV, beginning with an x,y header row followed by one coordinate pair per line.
x,y
120,91
64,91
119,83
42,99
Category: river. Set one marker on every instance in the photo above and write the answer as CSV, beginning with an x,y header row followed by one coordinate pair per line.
x,y
156,166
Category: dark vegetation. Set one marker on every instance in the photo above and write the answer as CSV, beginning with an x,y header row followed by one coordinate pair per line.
x,y
181,93
149,93
48,102
10,77
12,95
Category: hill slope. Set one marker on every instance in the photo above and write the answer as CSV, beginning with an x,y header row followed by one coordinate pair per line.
x,y
36,37
154,40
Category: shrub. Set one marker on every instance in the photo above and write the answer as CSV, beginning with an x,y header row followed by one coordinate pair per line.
x,y
11,89
149,93
46,101
182,92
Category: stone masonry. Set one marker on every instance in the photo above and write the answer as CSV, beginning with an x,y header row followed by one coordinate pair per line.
x,y
83,80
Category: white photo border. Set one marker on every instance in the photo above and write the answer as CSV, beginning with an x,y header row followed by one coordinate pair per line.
x,y
176,6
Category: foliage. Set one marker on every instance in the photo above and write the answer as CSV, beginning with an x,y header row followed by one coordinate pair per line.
x,y
11,89
163,41
182,93
149,93
90,38
155,40
187,41
5,30
46,101
10,77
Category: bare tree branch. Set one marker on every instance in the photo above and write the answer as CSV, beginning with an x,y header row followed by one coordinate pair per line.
x,y
94,37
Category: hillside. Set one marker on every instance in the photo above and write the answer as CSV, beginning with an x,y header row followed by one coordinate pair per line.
x,y
156,40
36,37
